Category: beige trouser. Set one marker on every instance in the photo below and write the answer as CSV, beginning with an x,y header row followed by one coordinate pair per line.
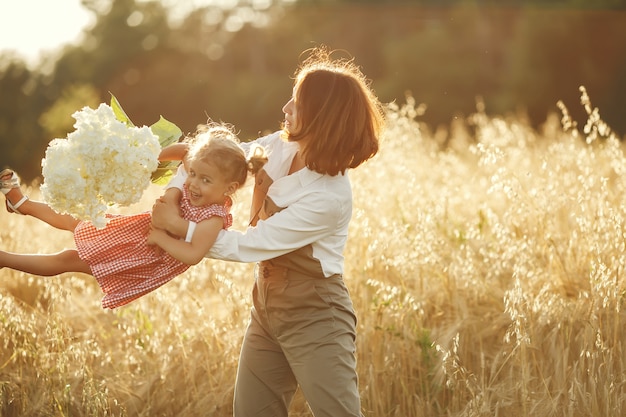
x,y
301,332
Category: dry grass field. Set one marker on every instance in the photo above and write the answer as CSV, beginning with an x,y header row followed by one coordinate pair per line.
x,y
486,265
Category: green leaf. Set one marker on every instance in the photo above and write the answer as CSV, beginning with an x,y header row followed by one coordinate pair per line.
x,y
167,132
165,172
120,114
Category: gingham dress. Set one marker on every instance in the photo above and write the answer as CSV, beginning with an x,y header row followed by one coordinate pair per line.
x,y
124,265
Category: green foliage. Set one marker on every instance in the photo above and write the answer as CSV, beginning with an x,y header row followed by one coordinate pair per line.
x,y
21,105
119,112
518,59
57,120
167,132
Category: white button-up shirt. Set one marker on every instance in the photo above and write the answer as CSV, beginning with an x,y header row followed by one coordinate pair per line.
x,y
317,211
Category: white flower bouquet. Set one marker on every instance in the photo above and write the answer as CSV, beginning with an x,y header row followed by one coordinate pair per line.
x,y
106,161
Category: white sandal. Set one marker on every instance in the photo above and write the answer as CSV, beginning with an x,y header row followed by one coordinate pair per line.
x,y
13,208
7,185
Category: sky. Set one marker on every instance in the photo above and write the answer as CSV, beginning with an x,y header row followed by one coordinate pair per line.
x,y
29,27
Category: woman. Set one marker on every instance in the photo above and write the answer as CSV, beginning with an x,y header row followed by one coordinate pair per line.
x,y
302,328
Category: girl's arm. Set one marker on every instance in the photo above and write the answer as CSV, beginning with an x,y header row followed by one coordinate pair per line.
x,y
172,196
174,152
192,252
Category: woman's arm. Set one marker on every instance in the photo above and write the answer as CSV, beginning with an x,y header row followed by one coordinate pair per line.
x,y
302,223
167,217
314,218
192,252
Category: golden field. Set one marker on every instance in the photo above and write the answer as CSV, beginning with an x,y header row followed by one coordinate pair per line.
x,y
486,264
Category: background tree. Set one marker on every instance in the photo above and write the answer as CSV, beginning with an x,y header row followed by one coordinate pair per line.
x,y
234,64
20,107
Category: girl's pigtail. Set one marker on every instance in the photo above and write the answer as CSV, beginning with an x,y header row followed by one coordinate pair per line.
x,y
257,158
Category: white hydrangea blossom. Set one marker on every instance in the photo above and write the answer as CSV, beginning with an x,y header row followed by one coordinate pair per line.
x,y
102,163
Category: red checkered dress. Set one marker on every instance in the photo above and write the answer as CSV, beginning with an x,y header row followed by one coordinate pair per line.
x,y
122,262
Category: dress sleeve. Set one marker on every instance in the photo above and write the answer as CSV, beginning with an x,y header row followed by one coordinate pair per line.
x,y
198,214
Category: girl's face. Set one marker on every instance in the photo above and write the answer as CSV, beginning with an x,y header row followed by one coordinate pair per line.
x,y
207,185
291,115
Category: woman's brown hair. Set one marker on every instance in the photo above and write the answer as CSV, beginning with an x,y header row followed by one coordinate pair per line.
x,y
338,113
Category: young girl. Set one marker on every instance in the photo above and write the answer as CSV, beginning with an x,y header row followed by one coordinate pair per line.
x,y
124,257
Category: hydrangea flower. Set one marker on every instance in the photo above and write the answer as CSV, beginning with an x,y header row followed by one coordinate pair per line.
x,y
103,163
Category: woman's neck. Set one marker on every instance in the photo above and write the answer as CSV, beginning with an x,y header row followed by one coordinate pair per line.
x,y
297,163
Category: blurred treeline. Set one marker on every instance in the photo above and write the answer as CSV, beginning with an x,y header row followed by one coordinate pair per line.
x,y
235,64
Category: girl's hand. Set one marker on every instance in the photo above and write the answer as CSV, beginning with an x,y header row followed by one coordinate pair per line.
x,y
162,212
153,236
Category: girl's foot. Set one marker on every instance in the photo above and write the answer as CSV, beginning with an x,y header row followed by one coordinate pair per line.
x,y
10,187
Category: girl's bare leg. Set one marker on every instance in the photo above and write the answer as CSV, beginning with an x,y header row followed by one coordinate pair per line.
x,y
45,265
42,211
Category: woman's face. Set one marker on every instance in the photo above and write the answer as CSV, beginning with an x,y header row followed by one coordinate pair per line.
x,y
291,115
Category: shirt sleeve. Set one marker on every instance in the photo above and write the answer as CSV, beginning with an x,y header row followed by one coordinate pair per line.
x,y
308,220
267,142
179,179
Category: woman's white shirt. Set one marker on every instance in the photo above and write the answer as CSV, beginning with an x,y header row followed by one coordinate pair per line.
x,y
317,211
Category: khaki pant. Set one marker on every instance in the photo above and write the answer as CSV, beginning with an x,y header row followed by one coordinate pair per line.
x,y
301,332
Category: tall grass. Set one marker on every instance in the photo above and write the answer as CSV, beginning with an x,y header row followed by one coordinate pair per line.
x,y
485,263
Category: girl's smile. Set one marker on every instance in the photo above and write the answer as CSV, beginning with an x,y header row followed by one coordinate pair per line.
x,y
194,197
206,184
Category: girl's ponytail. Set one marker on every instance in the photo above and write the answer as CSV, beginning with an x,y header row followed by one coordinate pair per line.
x,y
256,159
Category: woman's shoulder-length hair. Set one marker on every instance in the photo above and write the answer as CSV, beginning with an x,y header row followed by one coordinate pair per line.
x,y
338,113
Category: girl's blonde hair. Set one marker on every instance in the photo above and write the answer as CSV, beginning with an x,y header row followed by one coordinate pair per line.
x,y
338,113
217,144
